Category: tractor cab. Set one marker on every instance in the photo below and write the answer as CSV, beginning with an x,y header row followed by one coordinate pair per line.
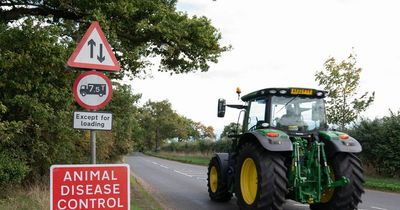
x,y
296,111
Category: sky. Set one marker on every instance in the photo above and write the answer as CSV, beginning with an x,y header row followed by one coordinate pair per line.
x,y
282,44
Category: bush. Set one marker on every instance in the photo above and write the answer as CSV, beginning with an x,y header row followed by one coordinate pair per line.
x,y
380,139
12,170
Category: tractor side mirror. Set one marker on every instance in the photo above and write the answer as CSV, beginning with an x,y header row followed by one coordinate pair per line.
x,y
221,107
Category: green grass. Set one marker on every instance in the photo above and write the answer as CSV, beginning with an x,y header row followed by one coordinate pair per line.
x,y
36,197
197,160
377,183
141,199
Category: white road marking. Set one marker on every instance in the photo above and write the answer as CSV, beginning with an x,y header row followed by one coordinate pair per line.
x,y
164,166
299,204
374,207
183,173
154,163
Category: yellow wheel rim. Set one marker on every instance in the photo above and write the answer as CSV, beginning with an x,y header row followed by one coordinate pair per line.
x,y
248,181
213,179
328,193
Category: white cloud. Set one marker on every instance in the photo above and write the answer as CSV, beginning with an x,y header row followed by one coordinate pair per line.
x,y
283,43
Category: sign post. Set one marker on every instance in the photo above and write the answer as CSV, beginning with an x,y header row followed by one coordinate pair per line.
x,y
92,90
91,186
92,147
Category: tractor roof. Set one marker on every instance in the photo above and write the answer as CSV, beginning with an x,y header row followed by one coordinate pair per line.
x,y
307,92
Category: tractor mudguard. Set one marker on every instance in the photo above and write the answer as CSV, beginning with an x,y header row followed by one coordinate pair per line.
x,y
333,144
223,161
276,144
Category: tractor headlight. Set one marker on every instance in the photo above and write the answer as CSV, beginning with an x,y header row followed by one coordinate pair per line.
x,y
283,91
320,93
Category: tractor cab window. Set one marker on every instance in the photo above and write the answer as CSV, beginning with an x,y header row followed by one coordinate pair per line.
x,y
256,113
297,114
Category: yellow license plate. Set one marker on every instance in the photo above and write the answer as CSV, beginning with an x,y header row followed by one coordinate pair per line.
x,y
296,91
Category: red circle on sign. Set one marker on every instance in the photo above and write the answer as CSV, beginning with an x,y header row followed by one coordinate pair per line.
x,y
82,103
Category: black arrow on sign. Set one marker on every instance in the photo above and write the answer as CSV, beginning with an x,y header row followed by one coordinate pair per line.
x,y
101,58
91,43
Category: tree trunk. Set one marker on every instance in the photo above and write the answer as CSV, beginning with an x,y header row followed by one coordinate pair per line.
x,y
156,149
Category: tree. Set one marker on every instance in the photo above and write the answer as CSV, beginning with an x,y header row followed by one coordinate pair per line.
x,y
341,80
126,128
186,129
204,131
137,30
159,122
231,128
35,93
36,103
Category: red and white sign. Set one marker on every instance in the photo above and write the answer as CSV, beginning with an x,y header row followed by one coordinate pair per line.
x,y
93,51
92,187
92,90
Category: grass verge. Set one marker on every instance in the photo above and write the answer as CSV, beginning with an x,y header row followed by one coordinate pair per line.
x,y
37,197
377,183
140,198
197,160
385,184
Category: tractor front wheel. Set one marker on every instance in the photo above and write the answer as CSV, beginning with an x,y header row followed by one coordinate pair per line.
x,y
260,179
346,197
217,185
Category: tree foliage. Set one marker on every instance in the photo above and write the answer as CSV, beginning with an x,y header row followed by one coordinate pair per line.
x,y
341,80
137,30
36,103
36,99
231,128
381,143
160,122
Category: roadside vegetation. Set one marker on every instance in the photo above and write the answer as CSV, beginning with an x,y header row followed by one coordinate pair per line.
x,y
33,197
182,157
140,198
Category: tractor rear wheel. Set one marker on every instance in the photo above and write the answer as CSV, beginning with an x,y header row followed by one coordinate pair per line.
x,y
260,179
346,197
217,185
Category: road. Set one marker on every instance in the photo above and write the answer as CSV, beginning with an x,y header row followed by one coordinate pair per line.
x,y
184,186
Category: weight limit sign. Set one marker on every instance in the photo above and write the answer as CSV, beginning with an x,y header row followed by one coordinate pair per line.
x,y
92,90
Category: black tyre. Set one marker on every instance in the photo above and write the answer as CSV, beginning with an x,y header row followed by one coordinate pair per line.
x,y
260,179
347,197
217,185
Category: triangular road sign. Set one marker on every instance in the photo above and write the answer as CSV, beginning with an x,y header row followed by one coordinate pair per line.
x,y
94,52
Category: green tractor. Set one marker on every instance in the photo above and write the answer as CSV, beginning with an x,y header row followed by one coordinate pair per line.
x,y
284,151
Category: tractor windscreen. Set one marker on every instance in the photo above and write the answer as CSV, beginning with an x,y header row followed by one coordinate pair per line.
x,y
297,113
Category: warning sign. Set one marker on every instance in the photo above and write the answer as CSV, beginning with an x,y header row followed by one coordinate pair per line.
x,y
92,187
94,51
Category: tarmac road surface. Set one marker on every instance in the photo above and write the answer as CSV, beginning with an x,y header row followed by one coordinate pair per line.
x,y
184,187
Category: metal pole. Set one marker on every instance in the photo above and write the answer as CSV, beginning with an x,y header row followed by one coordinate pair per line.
x,y
92,146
